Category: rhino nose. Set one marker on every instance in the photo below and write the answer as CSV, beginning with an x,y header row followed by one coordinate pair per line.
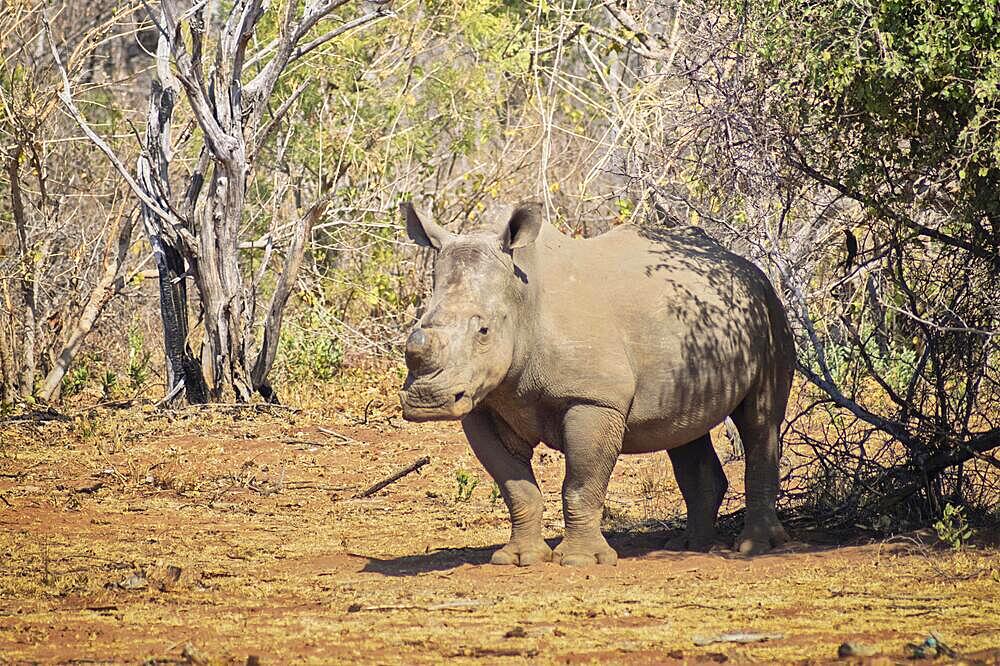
x,y
420,351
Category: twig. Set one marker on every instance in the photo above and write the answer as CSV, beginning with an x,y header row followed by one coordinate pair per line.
x,y
266,489
278,115
334,434
985,457
231,406
302,442
935,325
307,485
367,407
5,501
376,15
482,652
47,414
460,604
561,42
736,638
417,464
106,404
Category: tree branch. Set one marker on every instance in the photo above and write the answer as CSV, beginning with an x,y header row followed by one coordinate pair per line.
x,y
647,45
974,447
261,86
892,428
272,124
66,96
884,211
340,30
283,289
220,143
99,297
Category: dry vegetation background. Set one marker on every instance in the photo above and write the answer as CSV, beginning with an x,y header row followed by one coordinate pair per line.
x,y
199,237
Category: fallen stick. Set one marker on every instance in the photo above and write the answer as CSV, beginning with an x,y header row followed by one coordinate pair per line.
x,y
336,435
481,652
417,464
303,442
460,604
736,638
38,415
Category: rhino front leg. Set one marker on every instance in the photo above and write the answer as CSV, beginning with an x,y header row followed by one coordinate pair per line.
x,y
510,466
592,440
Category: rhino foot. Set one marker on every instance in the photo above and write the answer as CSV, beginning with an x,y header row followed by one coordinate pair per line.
x,y
522,553
760,537
574,553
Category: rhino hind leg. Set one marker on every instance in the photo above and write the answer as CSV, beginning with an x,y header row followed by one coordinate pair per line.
x,y
703,484
758,419
510,466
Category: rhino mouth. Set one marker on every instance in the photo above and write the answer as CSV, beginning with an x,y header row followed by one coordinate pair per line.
x,y
423,400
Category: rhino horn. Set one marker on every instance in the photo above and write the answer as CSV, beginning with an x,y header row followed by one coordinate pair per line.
x,y
422,351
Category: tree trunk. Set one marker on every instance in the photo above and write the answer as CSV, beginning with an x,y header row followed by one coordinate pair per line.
x,y
220,282
272,324
182,364
182,367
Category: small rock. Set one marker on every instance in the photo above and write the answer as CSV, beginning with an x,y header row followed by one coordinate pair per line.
x,y
516,632
854,649
136,581
171,575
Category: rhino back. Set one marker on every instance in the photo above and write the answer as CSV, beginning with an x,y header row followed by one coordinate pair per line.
x,y
670,328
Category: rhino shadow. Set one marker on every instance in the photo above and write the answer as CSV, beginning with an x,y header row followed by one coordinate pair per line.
x,y
630,544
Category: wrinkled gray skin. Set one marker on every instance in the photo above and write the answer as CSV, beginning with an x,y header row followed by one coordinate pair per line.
x,y
623,343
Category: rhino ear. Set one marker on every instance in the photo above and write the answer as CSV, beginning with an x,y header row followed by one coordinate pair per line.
x,y
422,232
523,227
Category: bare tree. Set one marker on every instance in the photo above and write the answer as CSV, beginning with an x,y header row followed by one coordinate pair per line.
x,y
194,222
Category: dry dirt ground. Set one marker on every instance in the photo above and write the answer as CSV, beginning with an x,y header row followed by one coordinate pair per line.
x,y
217,535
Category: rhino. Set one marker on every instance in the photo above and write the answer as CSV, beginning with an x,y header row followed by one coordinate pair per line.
x,y
632,341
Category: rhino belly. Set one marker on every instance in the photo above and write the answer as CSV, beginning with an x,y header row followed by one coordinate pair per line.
x,y
672,413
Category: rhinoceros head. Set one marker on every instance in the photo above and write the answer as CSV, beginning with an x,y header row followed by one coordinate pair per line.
x,y
463,346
